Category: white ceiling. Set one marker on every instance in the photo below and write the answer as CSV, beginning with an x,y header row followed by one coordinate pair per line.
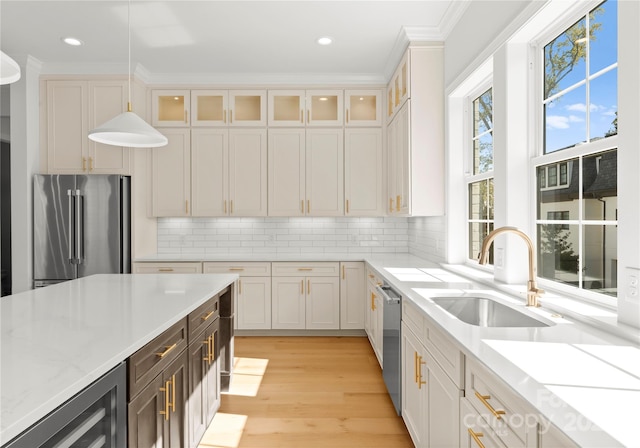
x,y
225,41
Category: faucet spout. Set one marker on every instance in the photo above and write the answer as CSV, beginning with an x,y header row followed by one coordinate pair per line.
x,y
533,292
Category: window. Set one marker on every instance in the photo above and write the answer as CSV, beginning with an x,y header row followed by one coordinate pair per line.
x,y
480,183
577,195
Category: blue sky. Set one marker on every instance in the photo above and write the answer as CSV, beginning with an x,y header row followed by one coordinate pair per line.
x,y
566,116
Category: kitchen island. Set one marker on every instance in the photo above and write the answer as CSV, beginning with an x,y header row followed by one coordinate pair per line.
x,y
58,340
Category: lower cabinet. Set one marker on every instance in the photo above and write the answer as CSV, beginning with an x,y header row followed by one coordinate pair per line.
x,y
157,415
352,295
373,314
167,268
430,398
204,385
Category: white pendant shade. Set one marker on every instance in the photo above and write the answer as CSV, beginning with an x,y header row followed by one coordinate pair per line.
x,y
9,69
128,129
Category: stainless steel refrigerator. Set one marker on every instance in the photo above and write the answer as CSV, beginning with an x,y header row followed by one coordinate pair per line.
x,y
81,226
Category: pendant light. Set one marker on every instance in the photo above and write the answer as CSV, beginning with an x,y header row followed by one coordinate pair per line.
x,y
9,69
128,129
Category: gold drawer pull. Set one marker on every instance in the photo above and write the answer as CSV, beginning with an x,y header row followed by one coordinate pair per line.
x,y
167,403
165,270
390,205
497,413
476,436
305,269
308,286
398,203
236,269
168,349
207,316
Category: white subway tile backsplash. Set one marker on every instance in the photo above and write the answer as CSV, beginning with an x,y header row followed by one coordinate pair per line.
x,y
283,235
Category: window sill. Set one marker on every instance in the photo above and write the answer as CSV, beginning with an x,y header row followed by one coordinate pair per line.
x,y
598,317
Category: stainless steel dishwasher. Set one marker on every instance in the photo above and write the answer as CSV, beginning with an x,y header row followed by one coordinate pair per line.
x,y
391,343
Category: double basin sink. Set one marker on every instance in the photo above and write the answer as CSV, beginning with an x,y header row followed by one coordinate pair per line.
x,y
486,312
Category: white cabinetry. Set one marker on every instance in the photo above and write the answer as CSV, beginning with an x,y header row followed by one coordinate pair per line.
x,y
171,174
430,395
167,268
363,161
373,314
248,172
362,108
295,108
253,293
73,108
416,134
209,172
352,295
305,172
305,296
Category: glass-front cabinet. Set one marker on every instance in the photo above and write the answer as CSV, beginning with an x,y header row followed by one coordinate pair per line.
x,y
184,108
362,108
305,108
398,88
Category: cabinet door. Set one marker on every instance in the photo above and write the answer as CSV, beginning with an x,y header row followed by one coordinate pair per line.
x,y
352,295
324,172
363,172
443,396
254,303
288,299
172,175
146,424
107,99
199,354
362,108
379,327
286,108
209,107
286,172
391,167
248,172
67,127
212,376
324,107
209,172
414,388
176,381
170,108
322,303
402,162
247,108
368,313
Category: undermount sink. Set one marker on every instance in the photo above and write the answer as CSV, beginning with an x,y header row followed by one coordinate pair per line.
x,y
485,312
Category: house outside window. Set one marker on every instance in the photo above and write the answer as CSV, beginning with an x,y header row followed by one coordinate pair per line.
x,y
480,181
577,194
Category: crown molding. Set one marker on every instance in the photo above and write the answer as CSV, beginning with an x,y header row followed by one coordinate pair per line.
x,y
452,15
277,79
410,35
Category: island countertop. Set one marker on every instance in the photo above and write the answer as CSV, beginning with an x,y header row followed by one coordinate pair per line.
x,y
58,340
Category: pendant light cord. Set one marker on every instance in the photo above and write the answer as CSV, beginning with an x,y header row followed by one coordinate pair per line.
x,y
129,46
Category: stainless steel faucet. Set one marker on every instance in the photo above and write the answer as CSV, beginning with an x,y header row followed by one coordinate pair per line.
x,y
533,292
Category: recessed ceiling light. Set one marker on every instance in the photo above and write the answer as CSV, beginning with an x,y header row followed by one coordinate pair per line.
x,y
72,41
325,40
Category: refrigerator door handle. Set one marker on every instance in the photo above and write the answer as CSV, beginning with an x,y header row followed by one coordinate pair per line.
x,y
79,228
71,238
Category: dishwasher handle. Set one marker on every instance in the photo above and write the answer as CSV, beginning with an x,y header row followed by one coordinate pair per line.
x,y
393,298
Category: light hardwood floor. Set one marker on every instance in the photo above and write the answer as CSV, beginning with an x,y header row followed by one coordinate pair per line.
x,y
306,392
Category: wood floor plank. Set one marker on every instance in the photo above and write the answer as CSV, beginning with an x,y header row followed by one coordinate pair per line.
x,y
306,392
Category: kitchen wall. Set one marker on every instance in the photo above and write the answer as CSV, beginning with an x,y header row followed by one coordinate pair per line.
x,y
283,235
428,238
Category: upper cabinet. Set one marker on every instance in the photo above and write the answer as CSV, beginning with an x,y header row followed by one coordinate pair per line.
x,y
362,108
184,108
73,108
305,108
415,135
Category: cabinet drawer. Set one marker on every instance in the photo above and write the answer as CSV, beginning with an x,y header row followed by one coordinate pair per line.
x,y
311,269
150,360
168,268
203,315
372,277
500,408
445,352
474,430
412,317
243,269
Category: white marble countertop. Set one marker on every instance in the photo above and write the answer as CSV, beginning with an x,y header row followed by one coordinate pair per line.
x,y
584,381
59,339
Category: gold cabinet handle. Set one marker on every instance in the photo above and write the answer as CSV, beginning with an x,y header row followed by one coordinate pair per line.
x,y
167,404
373,302
308,286
347,116
302,206
165,270
224,116
236,269
390,205
186,206
305,269
239,286
420,363
301,286
497,413
186,119
207,316
90,163
476,437
173,393
231,206
208,355
84,164
371,276
307,115
168,349
230,117
225,206
213,348
308,205
347,205
398,203
343,272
